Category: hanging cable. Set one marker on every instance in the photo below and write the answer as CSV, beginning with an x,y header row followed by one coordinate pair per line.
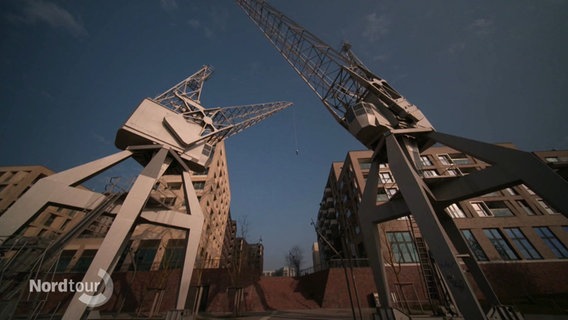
x,y
295,129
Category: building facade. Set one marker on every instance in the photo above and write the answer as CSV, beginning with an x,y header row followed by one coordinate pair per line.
x,y
153,247
48,224
154,253
510,231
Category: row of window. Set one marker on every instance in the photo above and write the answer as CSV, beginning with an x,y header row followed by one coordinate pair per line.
x,y
496,209
516,239
143,258
514,246
425,160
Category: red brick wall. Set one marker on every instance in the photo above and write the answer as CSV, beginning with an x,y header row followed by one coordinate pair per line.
x,y
326,289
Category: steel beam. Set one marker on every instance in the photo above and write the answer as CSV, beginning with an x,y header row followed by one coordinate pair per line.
x,y
468,257
59,189
421,207
121,228
193,237
372,240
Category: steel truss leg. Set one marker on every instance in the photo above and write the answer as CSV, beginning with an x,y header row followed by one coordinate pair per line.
x,y
372,240
468,257
193,237
410,185
122,226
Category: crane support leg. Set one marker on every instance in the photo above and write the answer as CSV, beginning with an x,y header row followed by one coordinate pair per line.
x,y
59,189
193,237
421,207
121,228
372,240
468,258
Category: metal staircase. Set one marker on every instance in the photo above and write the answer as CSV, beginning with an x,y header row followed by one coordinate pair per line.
x,y
434,284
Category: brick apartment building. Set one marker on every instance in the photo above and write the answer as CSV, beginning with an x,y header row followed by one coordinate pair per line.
x,y
517,238
151,248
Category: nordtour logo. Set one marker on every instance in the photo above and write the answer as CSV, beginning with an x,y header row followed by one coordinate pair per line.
x,y
88,289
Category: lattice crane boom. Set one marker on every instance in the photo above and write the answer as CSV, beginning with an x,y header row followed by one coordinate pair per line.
x,y
181,96
217,123
359,100
177,119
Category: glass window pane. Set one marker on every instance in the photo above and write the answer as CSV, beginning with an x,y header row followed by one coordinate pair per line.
x,y
474,246
552,242
501,245
402,247
522,243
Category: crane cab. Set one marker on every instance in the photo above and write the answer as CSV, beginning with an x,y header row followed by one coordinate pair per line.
x,y
366,123
152,123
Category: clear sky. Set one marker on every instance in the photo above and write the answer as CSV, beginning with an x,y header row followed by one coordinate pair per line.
x,y
71,72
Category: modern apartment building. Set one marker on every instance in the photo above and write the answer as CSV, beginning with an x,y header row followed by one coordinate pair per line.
x,y
513,233
151,247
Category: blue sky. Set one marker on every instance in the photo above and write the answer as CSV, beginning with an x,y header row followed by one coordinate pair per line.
x,y
71,72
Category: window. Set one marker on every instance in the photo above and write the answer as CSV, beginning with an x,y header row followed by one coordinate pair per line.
x,y
169,201
64,260
199,185
365,164
445,159
49,220
546,207
522,243
455,211
552,242
402,246
84,261
145,255
523,204
501,245
460,159
430,173
474,245
382,195
174,254
385,177
202,173
480,209
425,160
391,192
499,209
174,185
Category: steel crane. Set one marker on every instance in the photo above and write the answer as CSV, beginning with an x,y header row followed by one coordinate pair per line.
x,y
397,131
359,100
172,133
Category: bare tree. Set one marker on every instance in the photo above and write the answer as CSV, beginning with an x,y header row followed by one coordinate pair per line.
x,y
294,258
243,226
